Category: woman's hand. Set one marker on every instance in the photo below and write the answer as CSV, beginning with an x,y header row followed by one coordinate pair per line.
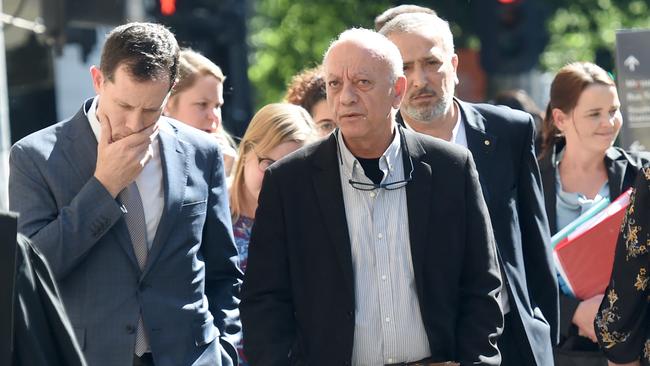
x,y
584,317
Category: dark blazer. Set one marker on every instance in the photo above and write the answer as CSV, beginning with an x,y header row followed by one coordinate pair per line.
x,y
187,290
501,142
43,334
298,302
622,168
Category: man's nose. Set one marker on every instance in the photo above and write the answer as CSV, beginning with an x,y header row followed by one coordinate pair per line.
x,y
136,122
418,78
348,94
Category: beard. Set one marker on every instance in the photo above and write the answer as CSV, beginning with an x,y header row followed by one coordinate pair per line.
x,y
428,112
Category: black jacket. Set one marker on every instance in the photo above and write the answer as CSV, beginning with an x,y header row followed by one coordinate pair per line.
x,y
501,142
298,302
43,335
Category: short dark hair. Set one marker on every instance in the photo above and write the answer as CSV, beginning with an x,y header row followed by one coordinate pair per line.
x,y
149,51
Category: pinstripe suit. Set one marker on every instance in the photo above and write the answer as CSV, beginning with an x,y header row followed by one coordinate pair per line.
x,y
298,300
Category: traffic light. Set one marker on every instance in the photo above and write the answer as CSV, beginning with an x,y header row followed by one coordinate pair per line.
x,y
512,33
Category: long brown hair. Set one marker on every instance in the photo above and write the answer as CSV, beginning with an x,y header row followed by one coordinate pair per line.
x,y
272,125
566,88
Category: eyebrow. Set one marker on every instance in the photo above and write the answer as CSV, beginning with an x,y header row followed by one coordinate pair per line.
x,y
597,109
127,105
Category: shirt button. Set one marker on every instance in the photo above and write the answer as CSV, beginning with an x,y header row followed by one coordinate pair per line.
x,y
380,235
372,194
387,320
383,277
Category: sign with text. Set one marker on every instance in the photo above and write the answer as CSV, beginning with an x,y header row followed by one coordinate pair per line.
x,y
633,74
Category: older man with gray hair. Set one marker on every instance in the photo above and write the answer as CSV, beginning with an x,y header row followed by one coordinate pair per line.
x,y
372,247
501,142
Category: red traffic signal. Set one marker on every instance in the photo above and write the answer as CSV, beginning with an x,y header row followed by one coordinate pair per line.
x,y
167,7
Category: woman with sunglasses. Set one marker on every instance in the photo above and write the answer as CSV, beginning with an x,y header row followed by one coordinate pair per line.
x,y
580,167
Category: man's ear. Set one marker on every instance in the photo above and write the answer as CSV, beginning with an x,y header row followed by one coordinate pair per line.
x,y
454,63
400,91
98,79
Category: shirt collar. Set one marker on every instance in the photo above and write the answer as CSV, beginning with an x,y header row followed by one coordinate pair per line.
x,y
458,132
387,161
91,113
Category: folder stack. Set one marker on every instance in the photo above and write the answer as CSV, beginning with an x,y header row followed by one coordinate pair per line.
x,y
583,251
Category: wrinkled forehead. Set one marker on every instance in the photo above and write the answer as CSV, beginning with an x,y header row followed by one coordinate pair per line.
x,y
349,58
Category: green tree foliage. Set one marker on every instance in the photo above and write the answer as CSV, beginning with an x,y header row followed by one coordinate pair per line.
x,y
580,29
290,35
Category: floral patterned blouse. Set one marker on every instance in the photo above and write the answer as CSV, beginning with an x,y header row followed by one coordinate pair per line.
x,y
623,321
242,230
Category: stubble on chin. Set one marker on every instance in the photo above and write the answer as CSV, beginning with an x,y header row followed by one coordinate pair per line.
x,y
428,113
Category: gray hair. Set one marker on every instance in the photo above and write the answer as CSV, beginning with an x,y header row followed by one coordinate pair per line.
x,y
391,13
380,46
412,22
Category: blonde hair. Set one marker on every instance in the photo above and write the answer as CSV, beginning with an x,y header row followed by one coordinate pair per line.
x,y
193,64
273,125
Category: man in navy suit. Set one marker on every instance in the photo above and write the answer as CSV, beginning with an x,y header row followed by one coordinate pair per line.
x,y
501,142
131,211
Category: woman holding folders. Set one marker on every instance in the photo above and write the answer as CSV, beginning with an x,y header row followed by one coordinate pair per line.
x,y
580,167
622,324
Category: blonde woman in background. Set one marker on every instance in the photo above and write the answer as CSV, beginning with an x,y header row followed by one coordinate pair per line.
x,y
275,131
197,98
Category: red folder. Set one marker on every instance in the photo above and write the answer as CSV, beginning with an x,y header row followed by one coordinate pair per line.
x,y
585,257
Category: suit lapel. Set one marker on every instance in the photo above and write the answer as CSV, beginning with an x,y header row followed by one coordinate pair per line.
x,y
81,152
173,155
479,142
81,149
418,198
327,184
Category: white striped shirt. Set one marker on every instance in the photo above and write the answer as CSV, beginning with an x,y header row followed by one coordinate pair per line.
x,y
388,323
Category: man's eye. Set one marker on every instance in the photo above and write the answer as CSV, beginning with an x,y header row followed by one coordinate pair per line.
x,y
333,83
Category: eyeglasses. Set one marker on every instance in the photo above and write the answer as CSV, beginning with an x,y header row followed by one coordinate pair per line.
x,y
362,186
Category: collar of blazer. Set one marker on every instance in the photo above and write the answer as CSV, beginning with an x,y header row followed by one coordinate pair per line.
x,y
81,152
326,180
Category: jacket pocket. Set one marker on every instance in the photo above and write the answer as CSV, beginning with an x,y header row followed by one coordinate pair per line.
x,y
194,208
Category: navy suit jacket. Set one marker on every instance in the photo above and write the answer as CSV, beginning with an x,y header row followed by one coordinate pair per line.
x,y
187,290
298,299
502,143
